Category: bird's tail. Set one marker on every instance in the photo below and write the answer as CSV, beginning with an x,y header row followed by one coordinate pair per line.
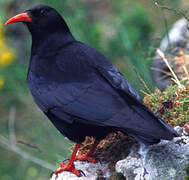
x,y
146,127
144,140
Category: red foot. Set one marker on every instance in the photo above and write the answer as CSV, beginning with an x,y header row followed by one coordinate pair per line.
x,y
86,157
67,167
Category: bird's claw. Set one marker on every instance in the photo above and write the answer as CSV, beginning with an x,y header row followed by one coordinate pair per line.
x,y
56,176
65,160
51,175
81,172
99,160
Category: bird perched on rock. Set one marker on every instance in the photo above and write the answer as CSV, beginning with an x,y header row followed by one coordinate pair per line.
x,y
80,91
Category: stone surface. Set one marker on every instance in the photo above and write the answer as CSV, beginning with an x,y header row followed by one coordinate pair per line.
x,y
91,171
177,33
166,160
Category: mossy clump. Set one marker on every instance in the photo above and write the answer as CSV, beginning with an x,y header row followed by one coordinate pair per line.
x,y
117,176
113,148
105,150
172,104
187,172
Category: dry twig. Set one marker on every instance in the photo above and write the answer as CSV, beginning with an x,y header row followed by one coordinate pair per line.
x,y
11,129
177,12
10,143
33,146
5,143
174,75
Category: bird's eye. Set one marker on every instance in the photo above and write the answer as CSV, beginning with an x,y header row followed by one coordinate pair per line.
x,y
43,12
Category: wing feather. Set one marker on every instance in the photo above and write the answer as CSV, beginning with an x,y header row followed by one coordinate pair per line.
x,y
97,94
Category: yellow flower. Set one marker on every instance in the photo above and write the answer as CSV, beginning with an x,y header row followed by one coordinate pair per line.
x,y
6,53
1,81
6,58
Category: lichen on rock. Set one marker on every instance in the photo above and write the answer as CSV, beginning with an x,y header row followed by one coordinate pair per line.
x,y
165,160
91,170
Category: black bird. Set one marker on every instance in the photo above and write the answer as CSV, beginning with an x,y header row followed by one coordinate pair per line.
x,y
80,91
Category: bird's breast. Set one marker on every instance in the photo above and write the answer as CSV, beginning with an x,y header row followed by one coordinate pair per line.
x,y
39,84
41,90
49,94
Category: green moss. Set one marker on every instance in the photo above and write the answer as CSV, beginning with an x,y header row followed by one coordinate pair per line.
x,y
187,172
117,176
172,104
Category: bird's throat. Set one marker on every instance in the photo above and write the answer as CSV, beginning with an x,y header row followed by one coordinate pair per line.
x,y
50,42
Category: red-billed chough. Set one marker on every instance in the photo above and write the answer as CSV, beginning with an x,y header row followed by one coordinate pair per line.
x,y
80,91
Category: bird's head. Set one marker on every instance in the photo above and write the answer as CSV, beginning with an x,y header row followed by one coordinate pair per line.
x,y
40,19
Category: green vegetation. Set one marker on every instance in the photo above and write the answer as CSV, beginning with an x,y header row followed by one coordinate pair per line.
x,y
187,171
117,176
172,104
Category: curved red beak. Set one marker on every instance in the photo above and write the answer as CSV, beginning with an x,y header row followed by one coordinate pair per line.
x,y
23,17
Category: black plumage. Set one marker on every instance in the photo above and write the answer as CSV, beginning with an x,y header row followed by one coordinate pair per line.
x,y
79,90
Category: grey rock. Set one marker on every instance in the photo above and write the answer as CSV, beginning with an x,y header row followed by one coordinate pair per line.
x,y
180,130
166,160
177,33
178,38
185,133
90,170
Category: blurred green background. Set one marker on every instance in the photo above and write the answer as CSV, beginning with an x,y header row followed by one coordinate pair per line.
x,y
126,31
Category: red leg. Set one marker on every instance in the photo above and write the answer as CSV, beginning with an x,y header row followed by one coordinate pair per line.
x,y
89,155
70,166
